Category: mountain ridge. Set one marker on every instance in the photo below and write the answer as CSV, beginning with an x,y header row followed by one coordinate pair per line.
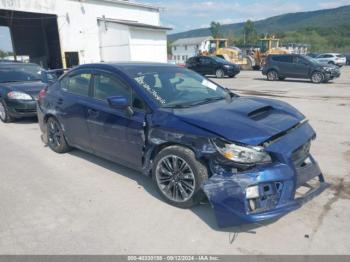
x,y
326,18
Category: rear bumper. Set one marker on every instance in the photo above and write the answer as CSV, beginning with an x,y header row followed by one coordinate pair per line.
x,y
277,185
41,120
21,108
341,63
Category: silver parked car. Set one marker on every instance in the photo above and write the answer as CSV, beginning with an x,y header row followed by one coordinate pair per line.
x,y
332,58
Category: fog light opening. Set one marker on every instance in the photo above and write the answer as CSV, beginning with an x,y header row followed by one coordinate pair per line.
x,y
252,205
266,188
252,192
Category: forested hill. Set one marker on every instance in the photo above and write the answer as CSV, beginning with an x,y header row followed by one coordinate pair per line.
x,y
327,19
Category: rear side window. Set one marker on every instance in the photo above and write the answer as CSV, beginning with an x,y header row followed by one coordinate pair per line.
x,y
340,56
77,84
327,56
106,86
191,60
283,59
205,60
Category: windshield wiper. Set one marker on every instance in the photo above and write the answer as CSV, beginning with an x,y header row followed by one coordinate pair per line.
x,y
196,103
177,106
207,100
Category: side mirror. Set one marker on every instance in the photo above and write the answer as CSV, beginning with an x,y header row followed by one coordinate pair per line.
x,y
118,102
121,103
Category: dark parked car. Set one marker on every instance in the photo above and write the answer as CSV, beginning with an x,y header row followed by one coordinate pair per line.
x,y
248,155
347,59
279,67
212,65
313,55
20,85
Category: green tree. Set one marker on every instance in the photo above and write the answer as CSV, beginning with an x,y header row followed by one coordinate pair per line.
x,y
2,54
250,34
215,29
231,38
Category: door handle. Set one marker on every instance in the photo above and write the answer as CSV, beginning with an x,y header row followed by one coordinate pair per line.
x,y
60,101
93,112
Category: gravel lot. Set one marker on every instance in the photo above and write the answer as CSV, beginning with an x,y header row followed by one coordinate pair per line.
x,y
80,204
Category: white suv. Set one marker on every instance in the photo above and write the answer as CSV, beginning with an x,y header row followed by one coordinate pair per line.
x,y
332,58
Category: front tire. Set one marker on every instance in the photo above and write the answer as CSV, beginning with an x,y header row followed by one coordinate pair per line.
x,y
272,75
220,73
4,115
317,77
55,137
178,176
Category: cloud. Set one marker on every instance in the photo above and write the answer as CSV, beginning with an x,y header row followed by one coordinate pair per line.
x,y
334,4
229,21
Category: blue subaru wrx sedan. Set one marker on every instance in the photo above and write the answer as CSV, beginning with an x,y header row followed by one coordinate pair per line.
x,y
248,156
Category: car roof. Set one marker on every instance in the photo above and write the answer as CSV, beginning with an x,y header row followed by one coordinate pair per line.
x,y
330,54
284,55
14,63
123,65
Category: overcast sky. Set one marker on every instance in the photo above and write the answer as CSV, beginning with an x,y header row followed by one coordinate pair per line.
x,y
183,15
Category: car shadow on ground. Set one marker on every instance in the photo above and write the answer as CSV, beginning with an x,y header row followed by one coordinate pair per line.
x,y
203,211
142,180
25,121
290,80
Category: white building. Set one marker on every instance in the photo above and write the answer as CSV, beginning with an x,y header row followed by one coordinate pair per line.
x,y
301,49
59,33
184,48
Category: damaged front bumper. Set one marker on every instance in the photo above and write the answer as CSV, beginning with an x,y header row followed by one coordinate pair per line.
x,y
269,191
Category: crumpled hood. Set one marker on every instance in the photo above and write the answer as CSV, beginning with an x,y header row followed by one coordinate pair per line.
x,y
247,120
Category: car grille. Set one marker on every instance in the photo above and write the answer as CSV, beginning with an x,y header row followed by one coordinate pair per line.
x,y
26,110
301,154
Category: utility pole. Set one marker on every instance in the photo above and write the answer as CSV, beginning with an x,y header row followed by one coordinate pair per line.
x,y
10,23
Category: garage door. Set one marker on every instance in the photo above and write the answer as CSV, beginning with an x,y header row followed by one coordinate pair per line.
x,y
121,42
114,42
147,45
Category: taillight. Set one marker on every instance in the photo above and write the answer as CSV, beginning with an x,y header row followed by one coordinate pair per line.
x,y
41,95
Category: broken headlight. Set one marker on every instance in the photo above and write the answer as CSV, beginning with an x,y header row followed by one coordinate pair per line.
x,y
242,154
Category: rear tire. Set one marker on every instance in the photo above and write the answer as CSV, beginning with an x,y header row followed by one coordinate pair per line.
x,y
178,176
272,75
55,137
4,115
317,77
219,73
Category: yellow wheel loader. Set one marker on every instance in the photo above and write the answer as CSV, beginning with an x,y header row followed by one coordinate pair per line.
x,y
219,47
267,46
254,57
